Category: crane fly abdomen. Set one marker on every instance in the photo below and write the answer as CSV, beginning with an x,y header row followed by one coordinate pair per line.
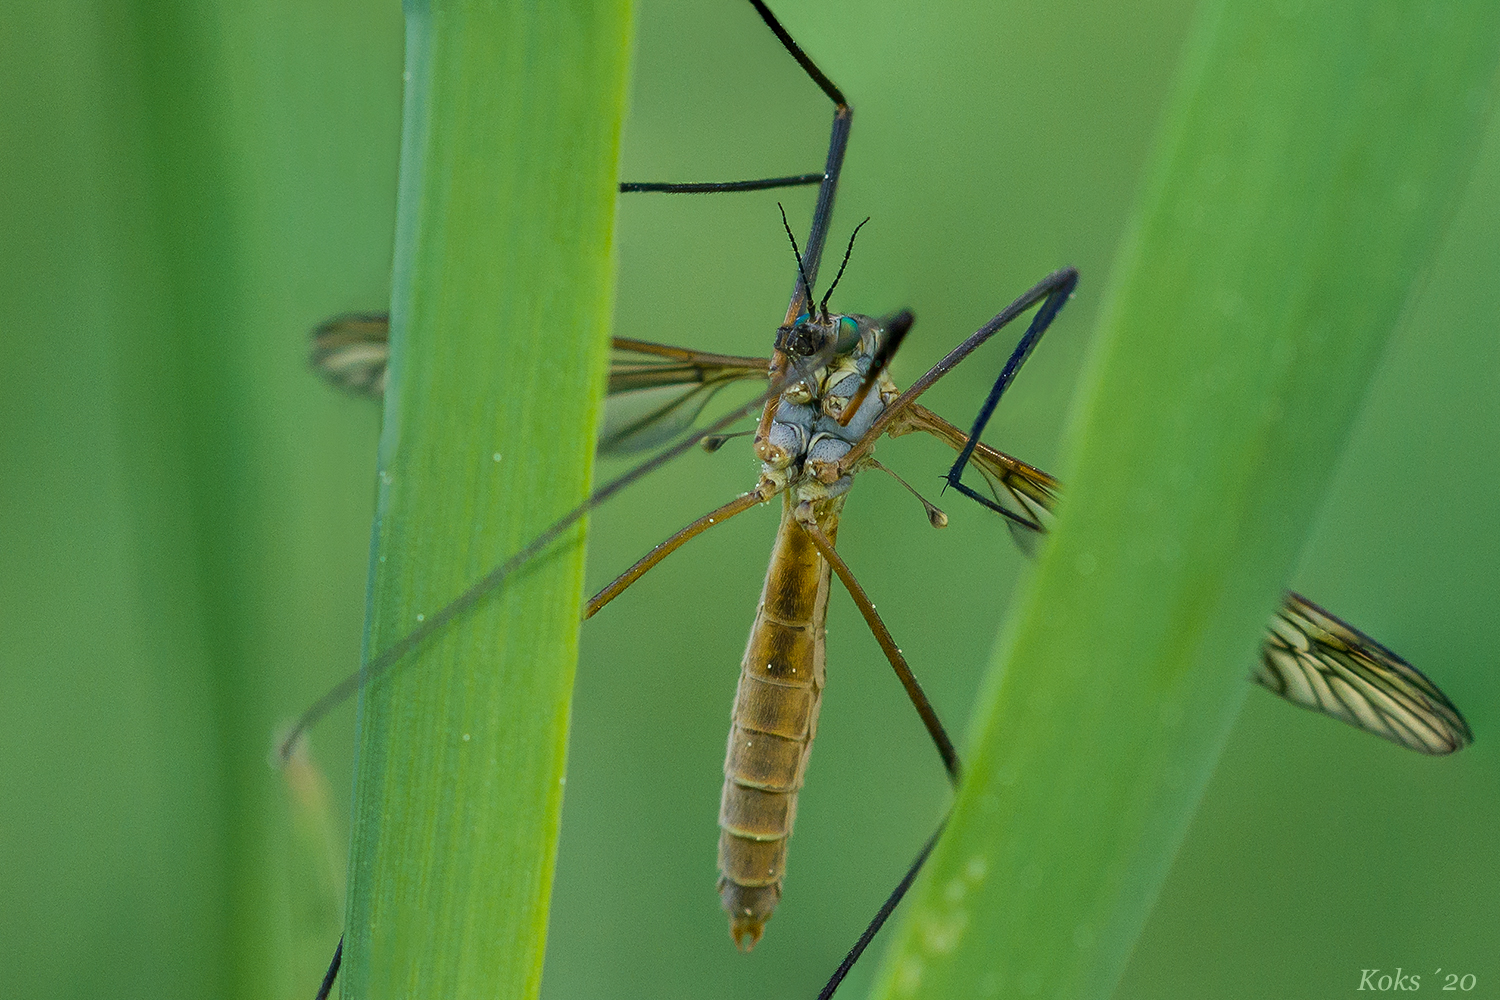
x,y
773,723
781,676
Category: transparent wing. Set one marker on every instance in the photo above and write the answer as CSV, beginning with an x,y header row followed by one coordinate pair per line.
x,y
1309,657
1313,659
1023,490
655,391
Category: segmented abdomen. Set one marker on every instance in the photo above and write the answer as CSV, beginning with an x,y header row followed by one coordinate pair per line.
x,y
772,727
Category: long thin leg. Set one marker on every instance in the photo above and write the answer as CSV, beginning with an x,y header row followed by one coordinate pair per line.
x,y
838,142
1052,291
883,914
738,505
806,518
828,180
333,971
1039,323
719,187
924,708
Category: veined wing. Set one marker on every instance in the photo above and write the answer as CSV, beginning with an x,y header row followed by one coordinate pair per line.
x,y
1023,490
655,391
1309,657
1313,659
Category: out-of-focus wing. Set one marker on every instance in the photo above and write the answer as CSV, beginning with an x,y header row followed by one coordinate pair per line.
x,y
1313,659
655,391
351,351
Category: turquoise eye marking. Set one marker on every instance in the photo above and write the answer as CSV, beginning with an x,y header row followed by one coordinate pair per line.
x,y
848,323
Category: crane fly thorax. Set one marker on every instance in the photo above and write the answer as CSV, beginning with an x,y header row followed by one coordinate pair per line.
x,y
806,439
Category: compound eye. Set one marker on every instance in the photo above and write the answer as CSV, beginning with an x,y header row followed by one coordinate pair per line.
x,y
805,340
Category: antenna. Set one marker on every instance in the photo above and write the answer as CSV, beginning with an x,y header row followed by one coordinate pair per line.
x,y
823,305
806,285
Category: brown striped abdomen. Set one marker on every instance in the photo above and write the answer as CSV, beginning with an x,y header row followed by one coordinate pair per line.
x,y
772,727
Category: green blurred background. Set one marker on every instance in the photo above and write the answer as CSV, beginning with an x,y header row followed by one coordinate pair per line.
x,y
185,511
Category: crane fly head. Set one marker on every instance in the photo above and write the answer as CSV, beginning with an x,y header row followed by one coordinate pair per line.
x,y
812,343
814,334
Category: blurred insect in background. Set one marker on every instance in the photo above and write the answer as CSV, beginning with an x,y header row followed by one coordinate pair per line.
x,y
828,399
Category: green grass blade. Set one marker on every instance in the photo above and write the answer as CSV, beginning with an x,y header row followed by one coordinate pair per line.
x,y
115,804
1306,177
500,311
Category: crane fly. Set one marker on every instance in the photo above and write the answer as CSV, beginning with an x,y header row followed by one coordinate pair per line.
x,y
828,397
1309,656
